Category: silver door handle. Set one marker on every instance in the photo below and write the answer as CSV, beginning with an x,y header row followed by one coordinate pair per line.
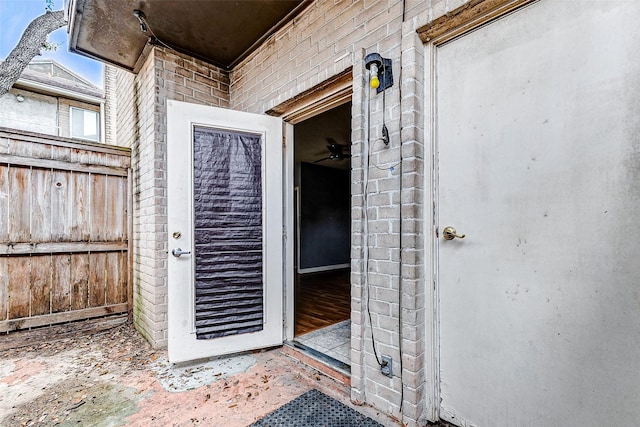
x,y
176,252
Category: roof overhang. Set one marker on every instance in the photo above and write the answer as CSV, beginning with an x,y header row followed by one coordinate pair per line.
x,y
221,33
48,89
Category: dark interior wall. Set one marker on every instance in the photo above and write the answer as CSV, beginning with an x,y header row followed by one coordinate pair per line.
x,y
325,216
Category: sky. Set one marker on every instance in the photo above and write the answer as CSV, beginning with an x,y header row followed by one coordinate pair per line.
x,y
15,15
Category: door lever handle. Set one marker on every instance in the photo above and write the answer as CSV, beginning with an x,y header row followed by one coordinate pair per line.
x,y
449,233
176,252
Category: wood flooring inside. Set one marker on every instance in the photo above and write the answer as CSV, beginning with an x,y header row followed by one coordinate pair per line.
x,y
322,299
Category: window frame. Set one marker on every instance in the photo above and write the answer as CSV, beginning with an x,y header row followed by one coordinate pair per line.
x,y
98,124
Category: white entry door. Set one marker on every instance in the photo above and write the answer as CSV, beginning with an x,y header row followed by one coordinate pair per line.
x,y
225,222
538,141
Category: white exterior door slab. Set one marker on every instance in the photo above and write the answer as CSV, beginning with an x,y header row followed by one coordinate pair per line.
x,y
225,222
538,144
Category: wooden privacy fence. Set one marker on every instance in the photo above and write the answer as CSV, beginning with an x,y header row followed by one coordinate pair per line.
x,y
64,230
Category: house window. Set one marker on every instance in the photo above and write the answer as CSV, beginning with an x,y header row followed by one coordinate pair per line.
x,y
85,124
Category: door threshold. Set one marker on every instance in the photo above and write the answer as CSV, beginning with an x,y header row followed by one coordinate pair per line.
x,y
333,368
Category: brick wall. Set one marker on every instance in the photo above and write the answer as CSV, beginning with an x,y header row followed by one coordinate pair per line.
x,y
110,105
142,125
126,101
324,40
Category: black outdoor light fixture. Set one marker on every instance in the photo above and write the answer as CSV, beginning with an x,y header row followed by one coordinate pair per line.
x,y
140,15
144,27
381,76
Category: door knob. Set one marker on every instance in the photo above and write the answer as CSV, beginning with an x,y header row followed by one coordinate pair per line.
x,y
449,233
176,252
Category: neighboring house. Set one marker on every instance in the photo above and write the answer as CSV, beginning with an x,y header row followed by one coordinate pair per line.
x,y
64,216
514,121
51,99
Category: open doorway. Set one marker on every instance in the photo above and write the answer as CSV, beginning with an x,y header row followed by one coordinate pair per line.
x,y
322,241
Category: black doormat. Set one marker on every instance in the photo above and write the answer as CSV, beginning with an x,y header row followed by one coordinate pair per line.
x,y
315,409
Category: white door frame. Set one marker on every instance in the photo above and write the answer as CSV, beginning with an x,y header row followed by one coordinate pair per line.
x,y
288,206
292,113
455,27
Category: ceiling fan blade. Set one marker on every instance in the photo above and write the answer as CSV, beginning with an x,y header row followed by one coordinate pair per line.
x,y
322,160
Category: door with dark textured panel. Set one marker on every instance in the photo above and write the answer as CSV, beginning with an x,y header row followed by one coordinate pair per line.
x,y
225,231
227,186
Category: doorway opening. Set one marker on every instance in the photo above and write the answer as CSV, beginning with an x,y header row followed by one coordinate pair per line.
x,y
322,239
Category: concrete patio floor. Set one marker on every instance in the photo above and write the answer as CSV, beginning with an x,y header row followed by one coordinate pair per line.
x,y
112,377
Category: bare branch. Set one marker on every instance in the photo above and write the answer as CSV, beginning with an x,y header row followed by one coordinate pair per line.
x,y
30,45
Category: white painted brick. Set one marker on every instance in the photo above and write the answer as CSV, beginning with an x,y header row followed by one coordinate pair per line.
x,y
327,38
165,75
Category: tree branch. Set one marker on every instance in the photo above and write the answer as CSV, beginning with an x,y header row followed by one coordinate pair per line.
x,y
30,44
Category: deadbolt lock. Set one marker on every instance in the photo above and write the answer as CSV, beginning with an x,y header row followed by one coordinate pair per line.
x,y
449,233
177,234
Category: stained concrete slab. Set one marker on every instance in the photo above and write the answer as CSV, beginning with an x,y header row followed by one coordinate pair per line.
x,y
176,378
114,378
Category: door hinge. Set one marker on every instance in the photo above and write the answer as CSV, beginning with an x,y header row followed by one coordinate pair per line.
x,y
284,233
